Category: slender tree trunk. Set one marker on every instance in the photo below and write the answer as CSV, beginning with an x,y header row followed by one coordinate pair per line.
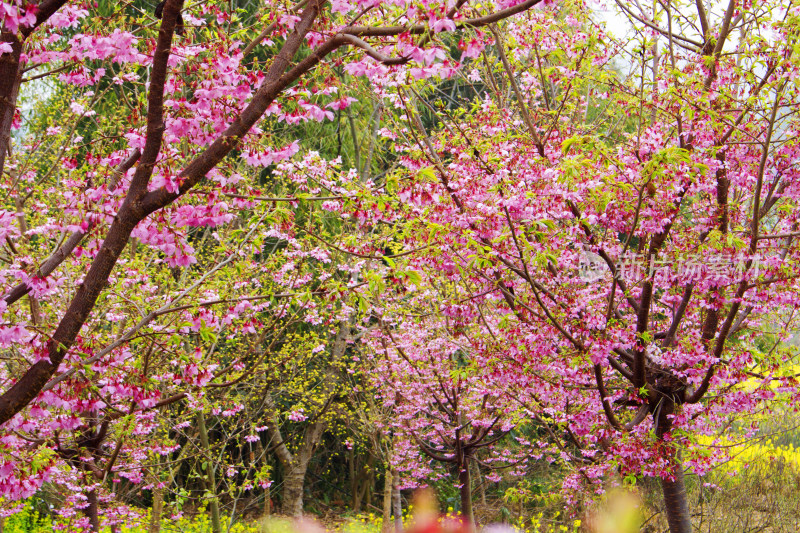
x,y
91,511
377,112
365,483
481,484
397,504
157,510
11,75
355,500
262,456
387,499
369,483
211,479
466,493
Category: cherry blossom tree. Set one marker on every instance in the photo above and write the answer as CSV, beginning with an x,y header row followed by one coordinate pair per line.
x,y
448,403
620,218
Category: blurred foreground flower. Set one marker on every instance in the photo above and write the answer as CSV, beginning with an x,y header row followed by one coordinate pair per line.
x,y
428,519
620,512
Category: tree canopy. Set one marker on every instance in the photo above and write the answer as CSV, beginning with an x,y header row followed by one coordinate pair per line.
x,y
443,240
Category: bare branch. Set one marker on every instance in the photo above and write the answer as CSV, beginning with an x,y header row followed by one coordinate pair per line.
x,y
417,29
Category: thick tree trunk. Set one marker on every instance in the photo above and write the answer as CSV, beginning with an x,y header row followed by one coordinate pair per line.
x,y
295,476
293,485
676,503
10,78
294,466
157,509
91,511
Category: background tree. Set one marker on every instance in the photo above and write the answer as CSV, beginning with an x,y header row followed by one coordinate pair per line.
x,y
446,407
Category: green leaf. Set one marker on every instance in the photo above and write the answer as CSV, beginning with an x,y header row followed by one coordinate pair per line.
x,y
414,277
426,173
566,144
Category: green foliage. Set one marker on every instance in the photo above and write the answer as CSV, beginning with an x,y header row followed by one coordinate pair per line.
x,y
29,520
